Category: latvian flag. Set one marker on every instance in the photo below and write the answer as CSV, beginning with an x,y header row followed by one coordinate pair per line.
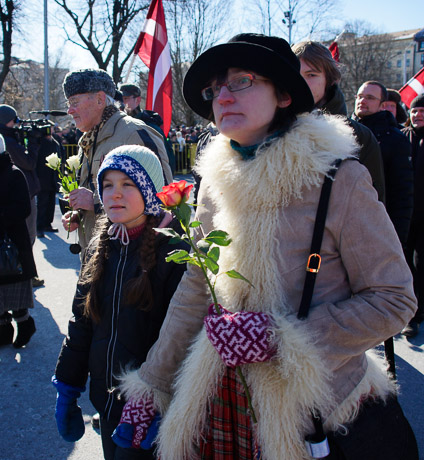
x,y
153,49
413,88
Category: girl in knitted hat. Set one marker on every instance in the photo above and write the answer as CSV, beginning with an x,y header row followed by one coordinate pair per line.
x,y
122,296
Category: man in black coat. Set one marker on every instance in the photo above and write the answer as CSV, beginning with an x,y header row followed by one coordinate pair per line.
x,y
46,197
415,244
395,151
24,157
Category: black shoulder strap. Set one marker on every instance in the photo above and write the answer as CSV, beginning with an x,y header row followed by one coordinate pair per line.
x,y
314,260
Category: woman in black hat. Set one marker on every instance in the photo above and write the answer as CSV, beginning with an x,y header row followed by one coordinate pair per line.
x,y
261,182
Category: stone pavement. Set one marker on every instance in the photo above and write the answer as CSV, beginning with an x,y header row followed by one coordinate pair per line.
x,y
27,399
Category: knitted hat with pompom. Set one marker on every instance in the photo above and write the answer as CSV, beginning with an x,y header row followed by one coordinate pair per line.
x,y
142,166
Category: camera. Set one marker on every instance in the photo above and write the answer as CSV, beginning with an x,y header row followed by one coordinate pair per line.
x,y
35,129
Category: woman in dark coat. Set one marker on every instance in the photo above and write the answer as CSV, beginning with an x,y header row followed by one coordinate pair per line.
x,y
16,295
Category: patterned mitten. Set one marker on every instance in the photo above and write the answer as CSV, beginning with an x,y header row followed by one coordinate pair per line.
x,y
70,423
136,420
240,338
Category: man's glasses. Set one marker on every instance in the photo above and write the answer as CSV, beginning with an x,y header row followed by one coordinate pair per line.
x,y
367,97
75,101
237,84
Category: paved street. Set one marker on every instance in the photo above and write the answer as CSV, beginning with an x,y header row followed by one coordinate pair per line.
x,y
27,399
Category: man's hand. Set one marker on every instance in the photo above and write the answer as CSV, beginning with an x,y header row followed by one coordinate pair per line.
x,y
82,198
70,221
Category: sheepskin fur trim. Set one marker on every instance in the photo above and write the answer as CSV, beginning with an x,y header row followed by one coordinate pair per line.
x,y
132,387
296,378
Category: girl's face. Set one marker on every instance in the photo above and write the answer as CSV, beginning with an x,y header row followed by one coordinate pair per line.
x,y
245,116
122,199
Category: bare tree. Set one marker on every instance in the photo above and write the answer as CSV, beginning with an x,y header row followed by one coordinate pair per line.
x,y
364,55
294,19
193,26
8,12
104,28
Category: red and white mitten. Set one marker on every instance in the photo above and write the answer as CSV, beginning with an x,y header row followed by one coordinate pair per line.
x,y
136,419
240,338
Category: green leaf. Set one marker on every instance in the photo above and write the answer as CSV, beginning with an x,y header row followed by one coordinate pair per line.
x,y
212,266
218,237
168,232
176,240
203,246
179,256
214,254
195,262
195,223
237,275
183,214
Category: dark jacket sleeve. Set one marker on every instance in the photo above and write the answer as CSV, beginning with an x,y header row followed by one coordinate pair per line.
x,y
399,183
72,364
370,156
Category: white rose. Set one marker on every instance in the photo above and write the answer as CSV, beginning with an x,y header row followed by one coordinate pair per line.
x,y
53,161
73,162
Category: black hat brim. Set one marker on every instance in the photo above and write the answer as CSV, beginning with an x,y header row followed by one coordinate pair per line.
x,y
247,56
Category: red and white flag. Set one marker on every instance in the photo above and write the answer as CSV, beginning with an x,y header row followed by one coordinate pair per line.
x,y
413,88
153,49
334,49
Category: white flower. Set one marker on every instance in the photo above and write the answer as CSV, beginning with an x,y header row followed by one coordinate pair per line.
x,y
73,162
53,161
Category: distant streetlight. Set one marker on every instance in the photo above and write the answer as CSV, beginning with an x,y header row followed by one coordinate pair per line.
x,y
289,21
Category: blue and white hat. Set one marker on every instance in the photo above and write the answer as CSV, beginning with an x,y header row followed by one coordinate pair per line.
x,y
142,166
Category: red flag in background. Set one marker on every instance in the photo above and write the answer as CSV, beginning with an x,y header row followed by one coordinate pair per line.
x,y
413,88
153,48
334,49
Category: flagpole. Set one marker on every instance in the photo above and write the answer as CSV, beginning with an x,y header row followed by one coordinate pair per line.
x,y
130,67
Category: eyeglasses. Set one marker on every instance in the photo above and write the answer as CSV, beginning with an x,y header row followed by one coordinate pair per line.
x,y
367,97
75,101
237,84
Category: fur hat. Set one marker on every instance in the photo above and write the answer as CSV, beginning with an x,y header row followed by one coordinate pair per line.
x,y
142,166
88,81
270,57
418,101
7,113
128,90
394,96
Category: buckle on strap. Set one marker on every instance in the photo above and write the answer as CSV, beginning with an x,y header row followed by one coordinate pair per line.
x,y
314,259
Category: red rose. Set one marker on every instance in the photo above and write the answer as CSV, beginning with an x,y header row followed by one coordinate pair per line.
x,y
175,194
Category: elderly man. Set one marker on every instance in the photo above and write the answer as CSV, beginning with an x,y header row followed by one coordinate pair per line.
x,y
395,151
90,97
415,244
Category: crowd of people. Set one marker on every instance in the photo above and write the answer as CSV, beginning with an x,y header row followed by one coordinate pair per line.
x,y
283,366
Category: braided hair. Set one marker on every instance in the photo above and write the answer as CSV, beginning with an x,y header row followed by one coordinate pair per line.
x,y
138,289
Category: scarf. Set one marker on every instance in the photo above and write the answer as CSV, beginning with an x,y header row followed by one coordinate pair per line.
x,y
87,139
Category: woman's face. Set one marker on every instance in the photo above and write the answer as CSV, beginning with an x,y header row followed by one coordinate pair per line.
x,y
122,199
245,116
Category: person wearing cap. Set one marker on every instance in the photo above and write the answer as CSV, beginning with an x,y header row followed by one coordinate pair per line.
x,y
122,295
90,98
261,182
131,95
24,157
323,76
415,243
394,106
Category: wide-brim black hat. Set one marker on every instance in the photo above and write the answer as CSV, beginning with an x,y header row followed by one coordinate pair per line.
x,y
270,57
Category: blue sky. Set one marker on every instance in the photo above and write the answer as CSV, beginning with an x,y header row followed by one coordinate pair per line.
x,y
386,15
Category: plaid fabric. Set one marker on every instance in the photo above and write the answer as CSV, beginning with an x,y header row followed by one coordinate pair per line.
x,y
228,435
16,296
